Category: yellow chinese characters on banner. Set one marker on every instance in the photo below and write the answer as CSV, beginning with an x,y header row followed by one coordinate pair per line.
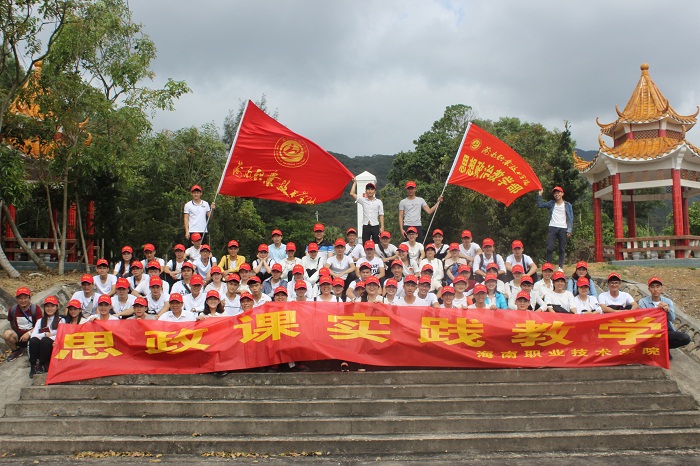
x,y
271,179
358,325
629,330
88,345
186,339
531,333
269,325
440,329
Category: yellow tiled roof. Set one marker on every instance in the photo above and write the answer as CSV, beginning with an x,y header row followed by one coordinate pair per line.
x,y
647,105
643,149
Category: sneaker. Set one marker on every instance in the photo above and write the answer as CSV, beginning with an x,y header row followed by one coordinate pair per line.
x,y
32,372
15,354
560,269
40,369
221,374
300,368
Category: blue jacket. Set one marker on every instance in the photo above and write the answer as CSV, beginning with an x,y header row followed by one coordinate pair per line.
x,y
567,207
647,303
571,286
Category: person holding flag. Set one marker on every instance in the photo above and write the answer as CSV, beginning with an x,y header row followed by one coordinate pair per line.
x,y
410,208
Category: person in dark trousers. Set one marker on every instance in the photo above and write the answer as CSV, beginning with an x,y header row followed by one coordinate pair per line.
x,y
561,222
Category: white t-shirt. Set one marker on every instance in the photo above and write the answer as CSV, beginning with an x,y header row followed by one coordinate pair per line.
x,y
471,252
487,260
623,299
198,215
144,288
119,306
376,264
185,316
590,304
389,251
371,210
438,268
232,306
338,266
430,298
192,253
540,289
418,302
155,305
146,261
558,219
354,251
263,299
525,261
193,304
88,306
291,293
564,299
414,252
180,287
106,287
202,268
222,289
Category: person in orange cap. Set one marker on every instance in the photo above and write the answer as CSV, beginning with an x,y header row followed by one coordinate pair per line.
x,y
43,336
410,209
23,316
197,213
656,299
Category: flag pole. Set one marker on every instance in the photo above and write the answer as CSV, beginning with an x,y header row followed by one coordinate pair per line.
x,y
454,164
228,162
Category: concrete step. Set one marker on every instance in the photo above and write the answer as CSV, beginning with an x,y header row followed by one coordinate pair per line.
x,y
240,427
593,440
329,407
386,377
345,392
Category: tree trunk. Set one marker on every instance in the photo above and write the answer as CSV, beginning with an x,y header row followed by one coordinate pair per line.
x,y
82,236
64,227
36,259
54,227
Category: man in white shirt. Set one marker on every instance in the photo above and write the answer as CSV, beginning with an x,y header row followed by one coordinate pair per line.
x,y
197,212
410,209
196,300
176,312
192,253
482,261
372,212
468,249
615,300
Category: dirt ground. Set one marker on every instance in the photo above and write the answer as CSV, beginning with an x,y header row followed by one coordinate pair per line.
x,y
682,283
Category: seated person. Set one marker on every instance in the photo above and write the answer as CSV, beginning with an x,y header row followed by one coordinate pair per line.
x,y
312,262
615,300
104,281
262,265
479,295
194,302
23,317
122,268
140,307
385,250
42,337
104,310
365,272
231,262
255,286
468,249
581,272
270,285
424,285
231,300
390,290
87,296
518,258
585,303
370,257
176,312
452,263
410,285
437,266
448,296
522,301
560,300
494,298
299,274
488,256
676,339
122,301
183,286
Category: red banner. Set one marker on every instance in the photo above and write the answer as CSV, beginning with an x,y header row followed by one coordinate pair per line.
x,y
268,161
488,166
373,334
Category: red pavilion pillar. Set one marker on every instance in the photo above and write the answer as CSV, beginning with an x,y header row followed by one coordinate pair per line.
x,y
617,214
90,228
9,236
597,225
70,234
678,223
631,217
686,218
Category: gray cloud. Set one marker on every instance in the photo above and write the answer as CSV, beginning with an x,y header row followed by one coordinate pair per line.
x,y
370,77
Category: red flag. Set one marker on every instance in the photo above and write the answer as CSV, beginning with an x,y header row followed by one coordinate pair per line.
x,y
269,161
488,166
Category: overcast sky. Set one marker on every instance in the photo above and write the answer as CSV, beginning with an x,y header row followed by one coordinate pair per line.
x,y
364,77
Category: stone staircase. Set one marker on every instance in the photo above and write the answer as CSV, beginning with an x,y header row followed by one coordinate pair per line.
x,y
411,412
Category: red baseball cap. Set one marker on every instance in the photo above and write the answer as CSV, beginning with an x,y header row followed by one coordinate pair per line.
x,y
155,281
372,279
582,264
196,188
448,289
212,294
75,303
127,249
149,247
412,230
369,244
338,282
24,290
102,262
339,242
359,284
365,265
480,288
246,295
460,279
196,280
385,234
319,227
516,244
215,269
558,188
522,295
253,279
205,247
466,234
403,247
438,231
454,247
614,275
350,231
325,280
410,184
312,247
370,185
276,232
154,265
281,289
232,244
558,276
526,279
291,246
324,271
51,300
245,266
298,269
187,265
263,247
122,283
654,279
86,278
490,276
425,279
487,242
104,299
517,268
491,265
233,277
411,278
141,302
195,237
395,263
427,267
175,297
431,246
300,284
583,281
547,266
179,247
139,265
463,268
391,282
276,267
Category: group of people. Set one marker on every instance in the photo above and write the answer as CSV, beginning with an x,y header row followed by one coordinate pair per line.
x,y
194,285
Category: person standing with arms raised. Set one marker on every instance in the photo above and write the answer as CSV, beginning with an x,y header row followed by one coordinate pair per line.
x,y
561,222
410,208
